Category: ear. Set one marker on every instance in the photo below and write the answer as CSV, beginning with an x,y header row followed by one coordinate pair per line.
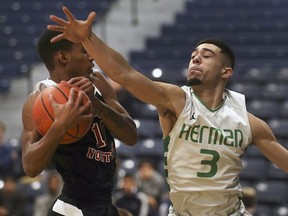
x,y
227,72
62,57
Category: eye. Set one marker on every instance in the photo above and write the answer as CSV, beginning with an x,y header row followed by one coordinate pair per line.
x,y
193,55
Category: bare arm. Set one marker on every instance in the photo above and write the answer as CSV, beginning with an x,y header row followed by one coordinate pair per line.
x,y
169,99
265,140
113,115
38,151
110,61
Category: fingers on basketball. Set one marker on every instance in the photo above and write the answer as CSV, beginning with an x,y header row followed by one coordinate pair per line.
x,y
43,115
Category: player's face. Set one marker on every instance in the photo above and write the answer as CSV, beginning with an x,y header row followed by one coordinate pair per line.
x,y
205,66
80,63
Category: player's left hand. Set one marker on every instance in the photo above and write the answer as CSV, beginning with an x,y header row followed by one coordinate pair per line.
x,y
72,29
84,83
103,85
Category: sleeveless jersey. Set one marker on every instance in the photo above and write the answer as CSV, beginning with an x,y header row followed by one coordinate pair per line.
x,y
87,166
203,155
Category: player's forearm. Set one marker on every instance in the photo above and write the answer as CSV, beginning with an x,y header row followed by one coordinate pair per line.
x,y
38,154
110,61
121,126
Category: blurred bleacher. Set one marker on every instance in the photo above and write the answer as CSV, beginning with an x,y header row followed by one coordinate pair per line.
x,y
22,22
255,29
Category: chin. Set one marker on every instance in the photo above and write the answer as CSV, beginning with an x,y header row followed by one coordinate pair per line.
x,y
193,82
88,74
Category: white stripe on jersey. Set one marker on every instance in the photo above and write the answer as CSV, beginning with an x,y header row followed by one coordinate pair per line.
x,y
66,209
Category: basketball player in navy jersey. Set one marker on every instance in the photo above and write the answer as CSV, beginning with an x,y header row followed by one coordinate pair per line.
x,y
206,127
87,166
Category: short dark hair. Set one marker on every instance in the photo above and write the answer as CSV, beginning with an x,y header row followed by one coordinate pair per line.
x,y
46,49
225,49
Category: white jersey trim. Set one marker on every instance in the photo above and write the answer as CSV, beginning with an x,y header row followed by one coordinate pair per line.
x,y
66,209
41,85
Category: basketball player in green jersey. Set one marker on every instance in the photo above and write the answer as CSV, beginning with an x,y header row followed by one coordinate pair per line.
x,y
206,127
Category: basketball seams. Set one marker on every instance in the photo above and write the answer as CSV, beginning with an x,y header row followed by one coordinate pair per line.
x,y
63,93
44,106
43,115
78,128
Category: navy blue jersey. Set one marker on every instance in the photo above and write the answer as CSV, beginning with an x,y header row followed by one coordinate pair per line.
x,y
88,166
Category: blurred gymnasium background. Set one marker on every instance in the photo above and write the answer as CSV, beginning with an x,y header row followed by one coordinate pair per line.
x,y
157,37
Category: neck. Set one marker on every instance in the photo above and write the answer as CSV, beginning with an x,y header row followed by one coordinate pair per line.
x,y
212,99
58,76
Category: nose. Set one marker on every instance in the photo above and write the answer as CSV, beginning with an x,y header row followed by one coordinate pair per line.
x,y
196,59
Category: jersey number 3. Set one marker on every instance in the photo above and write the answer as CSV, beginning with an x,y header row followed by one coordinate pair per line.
x,y
212,163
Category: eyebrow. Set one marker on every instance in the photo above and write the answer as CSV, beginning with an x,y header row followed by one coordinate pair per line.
x,y
206,49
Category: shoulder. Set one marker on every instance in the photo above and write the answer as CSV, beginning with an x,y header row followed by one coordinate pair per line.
x,y
186,88
174,96
38,87
237,99
43,84
258,126
169,86
30,100
234,94
256,122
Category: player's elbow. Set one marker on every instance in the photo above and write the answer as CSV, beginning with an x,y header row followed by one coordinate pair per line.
x,y
30,172
30,169
132,140
129,133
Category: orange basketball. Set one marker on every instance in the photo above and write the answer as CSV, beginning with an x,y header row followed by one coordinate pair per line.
x,y
43,116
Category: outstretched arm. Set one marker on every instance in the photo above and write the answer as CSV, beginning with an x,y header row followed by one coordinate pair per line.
x,y
110,61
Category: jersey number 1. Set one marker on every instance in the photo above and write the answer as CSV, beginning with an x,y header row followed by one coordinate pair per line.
x,y
97,129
